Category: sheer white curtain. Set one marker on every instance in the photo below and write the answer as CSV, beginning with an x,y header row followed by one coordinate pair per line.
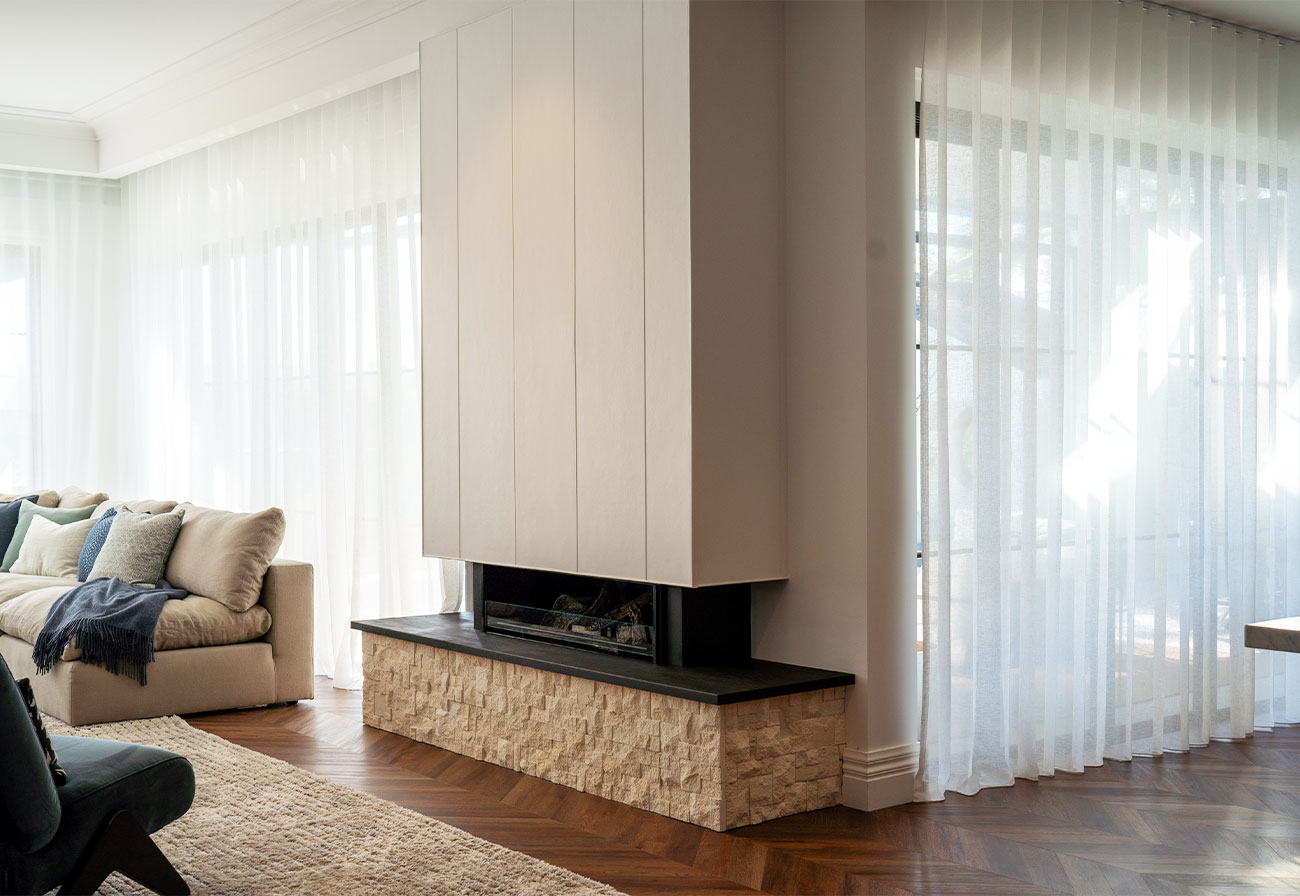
x,y
273,339
1110,204
60,283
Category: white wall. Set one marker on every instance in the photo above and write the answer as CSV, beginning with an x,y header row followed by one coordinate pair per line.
x,y
850,601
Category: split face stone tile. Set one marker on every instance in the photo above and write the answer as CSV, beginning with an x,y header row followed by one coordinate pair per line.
x,y
716,766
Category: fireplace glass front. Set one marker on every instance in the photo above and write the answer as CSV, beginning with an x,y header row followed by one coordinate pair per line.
x,y
581,611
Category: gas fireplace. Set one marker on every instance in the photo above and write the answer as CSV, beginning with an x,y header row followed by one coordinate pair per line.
x,y
664,624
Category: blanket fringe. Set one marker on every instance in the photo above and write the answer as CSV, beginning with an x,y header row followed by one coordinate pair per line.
x,y
102,644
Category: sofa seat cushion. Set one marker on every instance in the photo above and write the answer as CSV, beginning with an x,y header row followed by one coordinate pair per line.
x,y
13,585
199,621
194,621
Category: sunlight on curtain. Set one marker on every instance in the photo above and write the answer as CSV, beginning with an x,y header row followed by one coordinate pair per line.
x,y
274,332
1110,385
60,280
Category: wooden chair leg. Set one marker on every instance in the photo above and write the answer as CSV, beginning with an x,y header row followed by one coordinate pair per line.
x,y
123,845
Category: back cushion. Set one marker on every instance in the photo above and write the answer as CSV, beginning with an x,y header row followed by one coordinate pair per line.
x,y
43,498
225,555
29,805
142,506
72,496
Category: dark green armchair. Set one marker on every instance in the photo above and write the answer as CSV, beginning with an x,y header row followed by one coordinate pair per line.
x,y
75,835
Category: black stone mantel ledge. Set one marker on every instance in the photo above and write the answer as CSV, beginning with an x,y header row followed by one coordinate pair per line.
x,y
756,680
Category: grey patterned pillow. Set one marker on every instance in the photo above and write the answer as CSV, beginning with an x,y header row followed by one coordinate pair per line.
x,y
137,547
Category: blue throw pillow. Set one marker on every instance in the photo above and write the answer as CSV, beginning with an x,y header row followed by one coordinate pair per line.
x,y
94,544
9,521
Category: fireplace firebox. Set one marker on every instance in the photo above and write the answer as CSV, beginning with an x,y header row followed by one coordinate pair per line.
x,y
664,624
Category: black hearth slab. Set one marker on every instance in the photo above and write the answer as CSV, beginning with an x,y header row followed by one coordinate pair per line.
x,y
734,684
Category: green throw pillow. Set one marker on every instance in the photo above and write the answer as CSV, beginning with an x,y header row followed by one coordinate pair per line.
x,y
60,515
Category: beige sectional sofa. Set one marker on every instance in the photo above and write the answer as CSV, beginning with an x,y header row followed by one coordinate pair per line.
x,y
208,656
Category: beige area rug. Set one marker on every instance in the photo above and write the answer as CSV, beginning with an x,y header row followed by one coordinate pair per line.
x,y
262,826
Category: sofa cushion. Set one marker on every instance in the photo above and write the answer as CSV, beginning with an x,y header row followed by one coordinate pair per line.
x,y
24,616
9,520
194,621
28,510
94,544
12,585
50,549
45,498
74,496
198,621
137,547
146,505
225,555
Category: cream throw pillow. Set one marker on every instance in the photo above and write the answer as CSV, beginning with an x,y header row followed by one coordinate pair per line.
x,y
51,549
225,555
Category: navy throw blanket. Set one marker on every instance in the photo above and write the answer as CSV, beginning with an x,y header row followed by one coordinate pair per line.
x,y
113,622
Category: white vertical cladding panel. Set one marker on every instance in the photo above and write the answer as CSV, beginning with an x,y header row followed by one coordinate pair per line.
x,y
668,291
546,522
610,284
440,290
487,441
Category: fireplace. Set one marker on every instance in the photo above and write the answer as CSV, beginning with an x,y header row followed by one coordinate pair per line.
x,y
637,692
663,624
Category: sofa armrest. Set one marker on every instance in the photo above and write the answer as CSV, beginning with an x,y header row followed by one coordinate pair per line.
x,y
288,593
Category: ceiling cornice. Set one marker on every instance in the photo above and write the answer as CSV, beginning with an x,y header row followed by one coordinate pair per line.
x,y
294,59
280,36
46,143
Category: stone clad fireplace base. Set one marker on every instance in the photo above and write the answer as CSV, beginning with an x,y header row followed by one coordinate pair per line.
x,y
719,766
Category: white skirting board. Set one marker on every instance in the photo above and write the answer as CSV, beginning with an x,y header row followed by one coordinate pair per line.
x,y
877,779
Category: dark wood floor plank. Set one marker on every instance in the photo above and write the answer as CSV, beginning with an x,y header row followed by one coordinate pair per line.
x,y
1223,819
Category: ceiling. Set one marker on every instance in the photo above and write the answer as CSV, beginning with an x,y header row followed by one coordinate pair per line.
x,y
65,58
69,59
105,87
1274,16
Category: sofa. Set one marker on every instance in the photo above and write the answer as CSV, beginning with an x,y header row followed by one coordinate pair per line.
x,y
208,655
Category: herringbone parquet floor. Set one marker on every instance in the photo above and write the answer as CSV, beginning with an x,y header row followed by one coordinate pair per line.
x,y
1225,819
